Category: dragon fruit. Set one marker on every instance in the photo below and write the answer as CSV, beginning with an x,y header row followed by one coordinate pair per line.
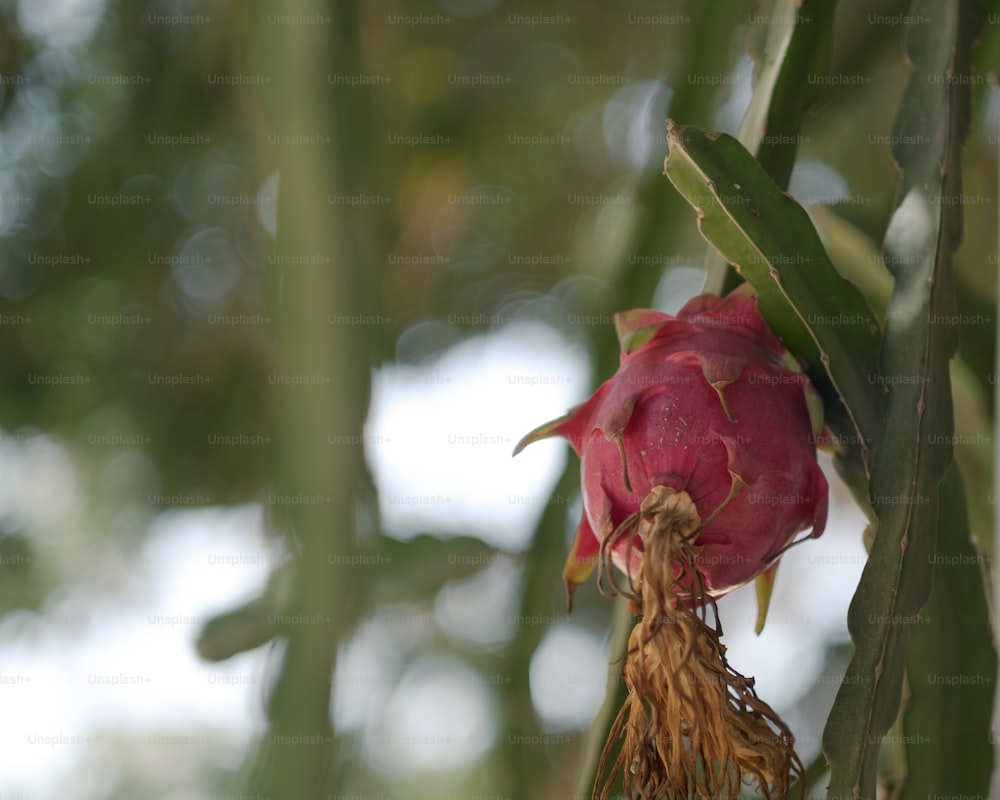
x,y
699,469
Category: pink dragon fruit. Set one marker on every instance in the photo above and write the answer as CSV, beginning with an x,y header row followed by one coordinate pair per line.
x,y
699,468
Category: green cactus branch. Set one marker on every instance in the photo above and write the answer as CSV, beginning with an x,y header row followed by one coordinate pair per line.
x,y
915,451
951,666
795,45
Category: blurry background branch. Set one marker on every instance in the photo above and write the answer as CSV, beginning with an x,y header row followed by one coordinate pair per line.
x,y
323,320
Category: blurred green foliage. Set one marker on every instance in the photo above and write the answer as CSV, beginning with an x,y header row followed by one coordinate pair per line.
x,y
481,163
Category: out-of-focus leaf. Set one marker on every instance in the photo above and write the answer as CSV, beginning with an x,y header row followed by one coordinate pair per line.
x,y
770,240
915,450
974,432
252,624
237,631
22,584
414,570
856,256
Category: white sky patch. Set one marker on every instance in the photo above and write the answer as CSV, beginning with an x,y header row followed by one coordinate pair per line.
x,y
440,436
676,287
267,203
814,182
367,670
991,116
135,667
60,23
440,717
740,82
480,611
633,123
568,677
38,484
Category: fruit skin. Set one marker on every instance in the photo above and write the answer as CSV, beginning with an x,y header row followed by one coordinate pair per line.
x,y
711,403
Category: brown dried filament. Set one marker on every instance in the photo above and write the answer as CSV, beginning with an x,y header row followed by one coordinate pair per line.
x,y
692,726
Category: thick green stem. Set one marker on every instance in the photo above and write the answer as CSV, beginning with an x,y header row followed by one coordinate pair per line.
x,y
318,486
